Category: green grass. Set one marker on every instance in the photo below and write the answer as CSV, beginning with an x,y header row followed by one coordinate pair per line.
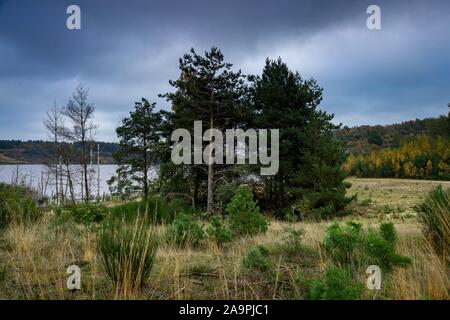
x,y
17,205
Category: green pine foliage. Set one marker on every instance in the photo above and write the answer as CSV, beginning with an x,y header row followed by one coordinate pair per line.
x,y
347,244
335,284
310,156
257,258
342,240
185,231
140,142
219,231
207,90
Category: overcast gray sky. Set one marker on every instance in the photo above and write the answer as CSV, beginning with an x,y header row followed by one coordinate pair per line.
x,y
126,50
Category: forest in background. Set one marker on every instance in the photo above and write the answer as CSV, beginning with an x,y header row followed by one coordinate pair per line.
x,y
418,149
363,139
359,140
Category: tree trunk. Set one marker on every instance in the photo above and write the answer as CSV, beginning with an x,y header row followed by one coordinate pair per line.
x,y
195,192
283,195
145,182
145,172
85,168
210,203
210,200
56,175
86,181
69,179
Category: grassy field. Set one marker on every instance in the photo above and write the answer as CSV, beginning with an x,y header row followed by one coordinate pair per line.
x,y
34,258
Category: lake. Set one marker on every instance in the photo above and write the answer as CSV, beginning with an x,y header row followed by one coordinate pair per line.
x,y
37,177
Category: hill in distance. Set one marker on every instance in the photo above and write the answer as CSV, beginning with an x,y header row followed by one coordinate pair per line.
x,y
37,152
362,139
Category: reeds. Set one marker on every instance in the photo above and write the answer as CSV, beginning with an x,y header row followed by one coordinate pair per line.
x,y
434,214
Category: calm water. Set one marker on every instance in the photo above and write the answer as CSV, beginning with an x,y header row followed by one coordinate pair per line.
x,y
37,177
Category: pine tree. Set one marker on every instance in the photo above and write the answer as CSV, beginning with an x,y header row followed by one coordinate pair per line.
x,y
310,157
140,142
208,91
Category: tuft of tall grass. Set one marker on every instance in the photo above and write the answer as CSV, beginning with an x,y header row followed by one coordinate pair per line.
x,y
128,251
185,231
434,213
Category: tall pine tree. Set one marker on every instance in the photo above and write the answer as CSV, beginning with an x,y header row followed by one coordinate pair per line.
x,y
310,157
208,91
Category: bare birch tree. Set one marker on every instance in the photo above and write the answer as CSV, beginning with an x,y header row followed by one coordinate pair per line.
x,y
81,113
54,123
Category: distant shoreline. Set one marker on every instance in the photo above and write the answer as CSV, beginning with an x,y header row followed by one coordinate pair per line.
x,y
14,162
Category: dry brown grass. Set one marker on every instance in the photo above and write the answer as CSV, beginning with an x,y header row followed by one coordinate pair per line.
x,y
37,257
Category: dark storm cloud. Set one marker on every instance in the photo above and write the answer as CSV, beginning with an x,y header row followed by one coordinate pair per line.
x,y
130,49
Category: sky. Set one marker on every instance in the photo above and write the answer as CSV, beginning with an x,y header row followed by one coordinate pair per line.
x,y
126,50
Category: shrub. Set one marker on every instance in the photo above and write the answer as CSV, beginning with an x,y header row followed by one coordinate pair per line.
x,y
225,193
434,214
219,231
298,211
164,210
294,239
63,223
380,248
329,203
245,217
128,251
346,244
387,209
158,209
336,284
17,205
185,231
257,258
387,231
84,213
341,241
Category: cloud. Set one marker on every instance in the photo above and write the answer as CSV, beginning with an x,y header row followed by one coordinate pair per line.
x,y
129,50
